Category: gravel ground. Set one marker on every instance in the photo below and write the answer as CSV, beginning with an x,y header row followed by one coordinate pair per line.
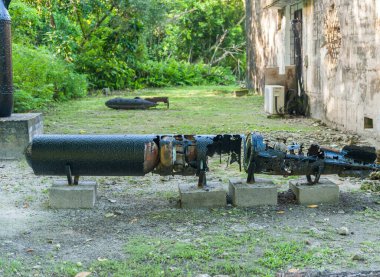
x,y
38,236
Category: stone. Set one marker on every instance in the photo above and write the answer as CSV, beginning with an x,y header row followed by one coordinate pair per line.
x,y
262,192
323,192
213,195
16,132
81,196
343,231
358,257
241,92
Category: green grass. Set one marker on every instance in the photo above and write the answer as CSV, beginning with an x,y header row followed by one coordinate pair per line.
x,y
251,253
247,254
193,110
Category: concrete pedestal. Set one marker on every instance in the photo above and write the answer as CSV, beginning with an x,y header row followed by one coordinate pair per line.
x,y
262,192
211,196
323,192
16,132
81,196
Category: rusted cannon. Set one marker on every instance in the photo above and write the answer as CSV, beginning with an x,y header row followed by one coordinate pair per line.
x,y
137,155
129,104
128,155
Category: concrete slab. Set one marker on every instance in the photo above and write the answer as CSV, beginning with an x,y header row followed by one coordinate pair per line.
x,y
263,192
81,196
211,196
325,191
16,132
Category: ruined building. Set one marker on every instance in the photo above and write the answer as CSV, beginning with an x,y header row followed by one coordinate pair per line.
x,y
340,56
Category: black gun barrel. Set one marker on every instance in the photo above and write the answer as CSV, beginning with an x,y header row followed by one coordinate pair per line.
x,y
6,74
127,155
100,155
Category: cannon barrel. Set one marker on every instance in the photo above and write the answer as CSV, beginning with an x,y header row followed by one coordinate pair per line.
x,y
6,75
101,155
126,155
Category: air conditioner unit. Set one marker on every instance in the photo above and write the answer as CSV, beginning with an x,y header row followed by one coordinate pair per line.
x,y
274,102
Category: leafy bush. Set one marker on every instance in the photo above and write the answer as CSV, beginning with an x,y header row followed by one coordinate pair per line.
x,y
178,73
40,77
26,22
105,72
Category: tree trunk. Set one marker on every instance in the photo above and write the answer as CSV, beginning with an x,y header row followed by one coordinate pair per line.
x,y
255,78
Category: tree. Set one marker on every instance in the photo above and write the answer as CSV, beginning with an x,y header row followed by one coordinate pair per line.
x,y
255,64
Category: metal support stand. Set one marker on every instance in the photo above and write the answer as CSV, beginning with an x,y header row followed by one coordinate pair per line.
x,y
251,173
70,180
202,181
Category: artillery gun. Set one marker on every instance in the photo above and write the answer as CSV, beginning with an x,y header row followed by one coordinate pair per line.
x,y
137,155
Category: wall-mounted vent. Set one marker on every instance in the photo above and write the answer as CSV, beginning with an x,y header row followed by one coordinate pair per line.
x,y
368,123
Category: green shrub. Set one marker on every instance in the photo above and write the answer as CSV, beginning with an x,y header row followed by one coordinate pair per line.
x,y
179,73
40,77
105,72
26,22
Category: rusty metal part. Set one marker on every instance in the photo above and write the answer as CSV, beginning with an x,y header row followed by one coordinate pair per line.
x,y
151,158
129,104
159,99
6,74
259,157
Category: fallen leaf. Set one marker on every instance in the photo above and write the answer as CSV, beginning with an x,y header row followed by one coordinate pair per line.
x,y
281,212
312,206
108,215
82,132
26,205
134,220
83,274
29,250
57,246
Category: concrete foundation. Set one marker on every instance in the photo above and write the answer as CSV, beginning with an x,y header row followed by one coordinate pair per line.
x,y
81,196
211,196
263,192
323,192
16,132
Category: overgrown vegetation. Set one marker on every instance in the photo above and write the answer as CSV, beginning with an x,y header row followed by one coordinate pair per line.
x,y
123,44
40,77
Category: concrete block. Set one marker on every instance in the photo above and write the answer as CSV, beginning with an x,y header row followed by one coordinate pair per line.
x,y
211,196
262,192
81,196
16,132
324,192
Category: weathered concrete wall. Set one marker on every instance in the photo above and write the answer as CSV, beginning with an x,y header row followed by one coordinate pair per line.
x,y
343,46
341,51
16,132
